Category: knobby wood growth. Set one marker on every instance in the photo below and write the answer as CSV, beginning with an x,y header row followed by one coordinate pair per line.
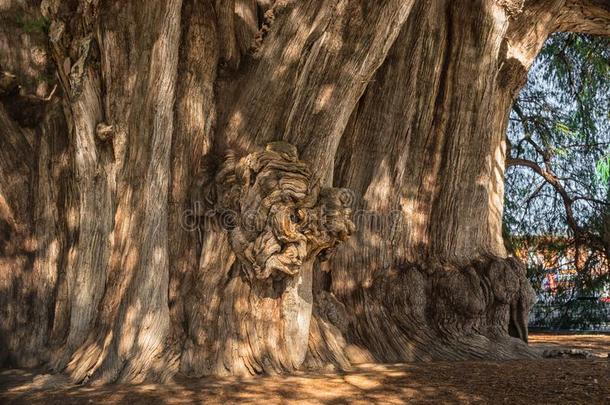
x,y
353,152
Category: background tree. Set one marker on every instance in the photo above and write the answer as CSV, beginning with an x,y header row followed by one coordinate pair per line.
x,y
557,187
120,116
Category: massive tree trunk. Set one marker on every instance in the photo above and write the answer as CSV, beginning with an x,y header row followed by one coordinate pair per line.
x,y
239,187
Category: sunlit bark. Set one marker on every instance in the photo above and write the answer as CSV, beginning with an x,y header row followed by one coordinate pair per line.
x,y
158,116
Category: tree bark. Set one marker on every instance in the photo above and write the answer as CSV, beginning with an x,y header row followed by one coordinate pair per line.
x,y
245,187
430,262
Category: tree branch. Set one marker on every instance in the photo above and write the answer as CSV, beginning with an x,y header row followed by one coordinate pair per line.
x,y
589,199
551,179
585,16
529,30
581,234
305,67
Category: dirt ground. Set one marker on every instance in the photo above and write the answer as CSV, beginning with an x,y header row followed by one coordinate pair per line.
x,y
597,344
544,381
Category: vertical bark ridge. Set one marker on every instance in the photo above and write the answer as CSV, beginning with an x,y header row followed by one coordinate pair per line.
x,y
195,117
127,341
404,102
229,48
18,288
50,225
30,144
92,210
308,62
318,34
246,24
417,293
459,237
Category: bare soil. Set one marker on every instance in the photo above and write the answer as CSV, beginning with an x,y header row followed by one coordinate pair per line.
x,y
544,381
598,344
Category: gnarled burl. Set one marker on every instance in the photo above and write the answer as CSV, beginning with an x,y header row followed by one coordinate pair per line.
x,y
256,278
277,219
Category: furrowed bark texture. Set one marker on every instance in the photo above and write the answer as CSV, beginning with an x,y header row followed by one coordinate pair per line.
x,y
420,274
245,187
309,62
195,116
117,276
33,167
17,287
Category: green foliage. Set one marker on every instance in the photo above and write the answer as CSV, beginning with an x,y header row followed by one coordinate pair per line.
x,y
561,122
602,168
560,126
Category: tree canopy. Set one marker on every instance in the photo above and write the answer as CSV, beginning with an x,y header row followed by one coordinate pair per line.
x,y
557,187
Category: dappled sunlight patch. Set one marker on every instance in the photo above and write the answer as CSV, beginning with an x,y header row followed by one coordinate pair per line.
x,y
436,382
362,382
324,96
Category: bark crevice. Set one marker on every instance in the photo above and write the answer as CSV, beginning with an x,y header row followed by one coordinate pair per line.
x,y
103,165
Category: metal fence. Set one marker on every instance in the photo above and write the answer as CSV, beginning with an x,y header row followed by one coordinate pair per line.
x,y
571,315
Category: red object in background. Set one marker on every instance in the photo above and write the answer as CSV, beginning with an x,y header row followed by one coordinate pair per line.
x,y
552,282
